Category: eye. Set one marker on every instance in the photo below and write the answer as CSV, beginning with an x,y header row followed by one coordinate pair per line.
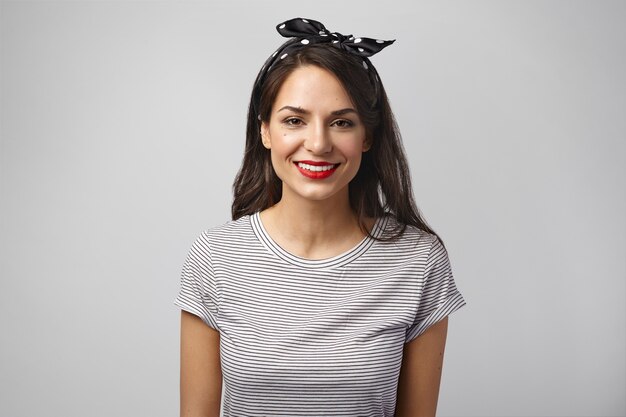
x,y
292,121
343,123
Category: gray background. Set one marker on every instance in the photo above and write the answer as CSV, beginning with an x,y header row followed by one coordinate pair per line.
x,y
123,126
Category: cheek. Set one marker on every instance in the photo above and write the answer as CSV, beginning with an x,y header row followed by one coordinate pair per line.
x,y
356,160
284,143
352,148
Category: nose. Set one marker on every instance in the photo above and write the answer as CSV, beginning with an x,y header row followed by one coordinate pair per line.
x,y
318,140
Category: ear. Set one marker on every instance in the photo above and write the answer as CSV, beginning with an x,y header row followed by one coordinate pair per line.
x,y
265,135
367,144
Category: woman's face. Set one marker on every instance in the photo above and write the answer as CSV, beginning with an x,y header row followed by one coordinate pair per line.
x,y
315,135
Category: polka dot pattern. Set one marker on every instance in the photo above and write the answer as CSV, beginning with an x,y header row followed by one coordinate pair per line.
x,y
310,32
305,32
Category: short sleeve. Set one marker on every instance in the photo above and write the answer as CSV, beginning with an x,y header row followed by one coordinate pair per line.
x,y
198,292
439,296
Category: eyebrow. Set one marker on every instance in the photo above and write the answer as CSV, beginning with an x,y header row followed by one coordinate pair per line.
x,y
300,110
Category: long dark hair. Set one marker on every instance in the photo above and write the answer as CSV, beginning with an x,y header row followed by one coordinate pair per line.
x,y
382,185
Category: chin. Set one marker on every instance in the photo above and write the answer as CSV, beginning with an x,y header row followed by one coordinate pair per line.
x,y
316,193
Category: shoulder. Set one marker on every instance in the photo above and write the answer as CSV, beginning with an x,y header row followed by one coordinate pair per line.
x,y
229,229
423,248
227,233
411,236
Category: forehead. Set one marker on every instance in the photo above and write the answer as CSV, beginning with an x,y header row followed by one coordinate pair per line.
x,y
312,87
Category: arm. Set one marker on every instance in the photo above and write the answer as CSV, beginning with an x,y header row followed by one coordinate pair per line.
x,y
420,374
200,370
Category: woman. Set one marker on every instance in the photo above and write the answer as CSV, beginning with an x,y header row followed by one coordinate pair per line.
x,y
327,294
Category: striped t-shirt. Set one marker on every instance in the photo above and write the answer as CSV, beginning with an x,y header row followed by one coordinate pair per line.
x,y
301,337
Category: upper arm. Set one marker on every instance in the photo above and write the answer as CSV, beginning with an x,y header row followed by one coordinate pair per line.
x,y
420,374
200,370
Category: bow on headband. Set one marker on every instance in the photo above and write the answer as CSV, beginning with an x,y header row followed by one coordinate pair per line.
x,y
309,32
312,31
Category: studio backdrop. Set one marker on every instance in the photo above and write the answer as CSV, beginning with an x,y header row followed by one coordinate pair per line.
x,y
123,125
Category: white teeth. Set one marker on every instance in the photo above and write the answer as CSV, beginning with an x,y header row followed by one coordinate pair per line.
x,y
315,168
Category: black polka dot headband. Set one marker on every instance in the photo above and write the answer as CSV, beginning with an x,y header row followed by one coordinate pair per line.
x,y
310,32
306,32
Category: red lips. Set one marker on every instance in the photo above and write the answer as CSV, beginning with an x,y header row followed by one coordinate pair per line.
x,y
316,175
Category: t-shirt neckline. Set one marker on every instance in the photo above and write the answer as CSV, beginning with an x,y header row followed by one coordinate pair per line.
x,y
332,262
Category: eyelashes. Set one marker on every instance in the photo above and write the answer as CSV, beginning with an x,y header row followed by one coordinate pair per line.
x,y
340,123
343,123
292,121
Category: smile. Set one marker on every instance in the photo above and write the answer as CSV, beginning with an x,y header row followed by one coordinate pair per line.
x,y
316,170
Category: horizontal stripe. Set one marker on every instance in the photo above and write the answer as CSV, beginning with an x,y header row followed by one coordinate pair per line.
x,y
304,337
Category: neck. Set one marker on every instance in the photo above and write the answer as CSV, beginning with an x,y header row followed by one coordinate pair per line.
x,y
311,228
